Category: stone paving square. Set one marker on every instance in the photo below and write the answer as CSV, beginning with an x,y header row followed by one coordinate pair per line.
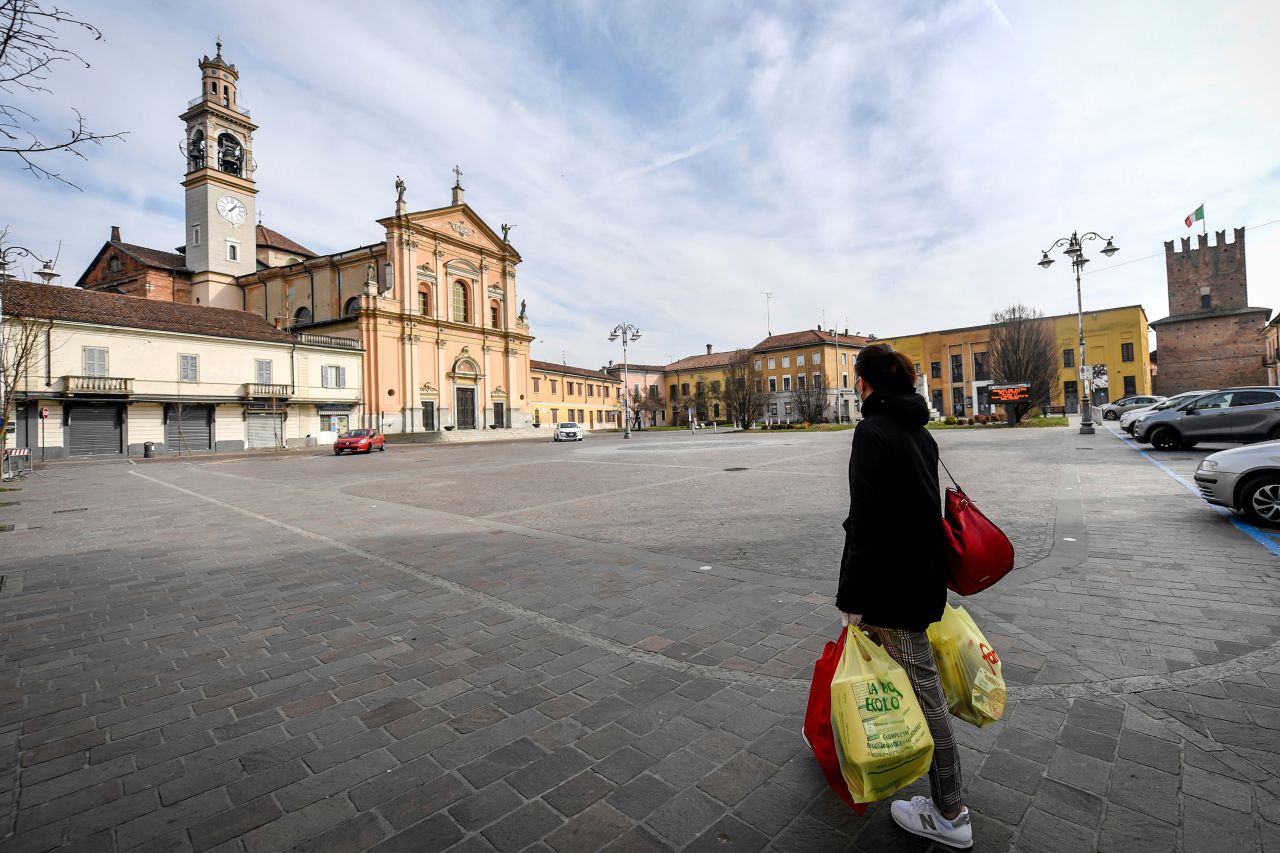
x,y
605,646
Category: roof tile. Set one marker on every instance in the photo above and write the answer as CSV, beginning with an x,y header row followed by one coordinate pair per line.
x,y
49,302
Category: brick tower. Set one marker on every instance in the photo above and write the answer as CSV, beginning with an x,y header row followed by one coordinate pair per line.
x,y
1211,338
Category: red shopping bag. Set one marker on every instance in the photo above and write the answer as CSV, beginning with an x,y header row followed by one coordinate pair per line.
x,y
817,722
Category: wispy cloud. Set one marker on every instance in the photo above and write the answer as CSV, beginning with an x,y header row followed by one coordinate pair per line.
x,y
665,162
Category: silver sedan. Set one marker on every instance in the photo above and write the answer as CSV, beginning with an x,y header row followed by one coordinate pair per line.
x,y
1246,479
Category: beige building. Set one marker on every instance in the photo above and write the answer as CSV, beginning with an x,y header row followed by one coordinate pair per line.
x,y
561,393
111,373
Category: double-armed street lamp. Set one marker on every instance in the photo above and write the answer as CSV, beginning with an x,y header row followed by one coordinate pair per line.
x,y
1075,251
627,332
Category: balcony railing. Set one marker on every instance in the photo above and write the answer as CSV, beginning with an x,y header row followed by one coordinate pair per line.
x,y
275,392
327,340
98,385
191,103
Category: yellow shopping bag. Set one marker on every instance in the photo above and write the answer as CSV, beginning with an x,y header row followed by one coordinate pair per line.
x,y
881,736
969,667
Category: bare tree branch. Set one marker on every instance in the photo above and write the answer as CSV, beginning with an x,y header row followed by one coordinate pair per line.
x,y
743,395
1023,348
29,49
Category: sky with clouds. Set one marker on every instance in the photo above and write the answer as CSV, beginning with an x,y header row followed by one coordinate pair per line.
x,y
888,167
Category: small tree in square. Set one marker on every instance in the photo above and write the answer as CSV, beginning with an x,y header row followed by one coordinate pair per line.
x,y
1024,349
743,393
811,398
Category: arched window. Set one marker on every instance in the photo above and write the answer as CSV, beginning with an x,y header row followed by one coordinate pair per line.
x,y
230,154
495,314
424,301
352,307
460,306
226,95
195,151
213,87
302,316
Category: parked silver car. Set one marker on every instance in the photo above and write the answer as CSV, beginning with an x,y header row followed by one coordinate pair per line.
x,y
1113,411
1130,419
1246,479
1239,415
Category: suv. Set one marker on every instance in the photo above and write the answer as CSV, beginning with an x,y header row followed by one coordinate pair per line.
x,y
1113,411
1131,420
1237,415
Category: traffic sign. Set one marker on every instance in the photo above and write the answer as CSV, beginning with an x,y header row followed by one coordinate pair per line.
x,y
44,413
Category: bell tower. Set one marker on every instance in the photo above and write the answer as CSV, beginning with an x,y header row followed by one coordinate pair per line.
x,y
221,216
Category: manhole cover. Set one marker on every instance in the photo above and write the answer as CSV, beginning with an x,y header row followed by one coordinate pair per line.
x,y
77,509
735,469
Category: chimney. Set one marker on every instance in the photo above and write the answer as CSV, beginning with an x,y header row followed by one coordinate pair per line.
x,y
708,349
846,333
115,233
279,322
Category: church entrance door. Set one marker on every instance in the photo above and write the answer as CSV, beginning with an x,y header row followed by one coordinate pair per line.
x,y
466,408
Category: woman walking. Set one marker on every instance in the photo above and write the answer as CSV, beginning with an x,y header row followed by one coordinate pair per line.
x,y
893,575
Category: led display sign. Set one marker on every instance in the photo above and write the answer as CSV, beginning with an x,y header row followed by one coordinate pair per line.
x,y
1012,393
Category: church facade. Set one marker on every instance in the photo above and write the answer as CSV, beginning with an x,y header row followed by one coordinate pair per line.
x,y
433,305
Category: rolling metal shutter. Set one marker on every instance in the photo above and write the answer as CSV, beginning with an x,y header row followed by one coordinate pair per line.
x,y
190,431
266,430
93,430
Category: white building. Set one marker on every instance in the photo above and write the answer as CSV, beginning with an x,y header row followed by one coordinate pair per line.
x,y
110,373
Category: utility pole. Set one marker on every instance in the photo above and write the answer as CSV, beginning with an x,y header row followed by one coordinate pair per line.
x,y
768,321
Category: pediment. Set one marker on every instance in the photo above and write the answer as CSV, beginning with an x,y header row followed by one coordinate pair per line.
x,y
461,223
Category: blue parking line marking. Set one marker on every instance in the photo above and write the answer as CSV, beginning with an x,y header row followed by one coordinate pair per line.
x,y
1266,538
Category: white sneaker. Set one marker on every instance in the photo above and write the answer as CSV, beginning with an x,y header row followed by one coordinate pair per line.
x,y
921,817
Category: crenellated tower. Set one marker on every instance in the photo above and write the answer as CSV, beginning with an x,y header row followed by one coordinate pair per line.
x,y
220,190
1211,338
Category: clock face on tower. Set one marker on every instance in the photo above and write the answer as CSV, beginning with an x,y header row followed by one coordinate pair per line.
x,y
232,210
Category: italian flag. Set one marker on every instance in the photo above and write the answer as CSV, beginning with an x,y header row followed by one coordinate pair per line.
x,y
1195,217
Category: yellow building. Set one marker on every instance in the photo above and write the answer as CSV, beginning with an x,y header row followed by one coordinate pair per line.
x,y
694,383
793,360
561,393
955,369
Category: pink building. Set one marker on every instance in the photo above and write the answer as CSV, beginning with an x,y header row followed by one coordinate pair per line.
x,y
643,382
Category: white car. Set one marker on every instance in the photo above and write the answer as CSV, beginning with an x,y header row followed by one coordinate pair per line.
x,y
1246,479
1130,419
1113,411
569,431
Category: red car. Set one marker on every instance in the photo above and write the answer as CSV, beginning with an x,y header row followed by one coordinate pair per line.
x,y
359,441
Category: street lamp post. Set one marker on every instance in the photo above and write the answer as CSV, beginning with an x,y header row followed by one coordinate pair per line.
x,y
1075,251
627,332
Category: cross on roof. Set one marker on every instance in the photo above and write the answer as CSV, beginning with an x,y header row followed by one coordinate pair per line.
x,y
458,176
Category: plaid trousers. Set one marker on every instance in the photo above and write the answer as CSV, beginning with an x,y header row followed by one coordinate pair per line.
x,y
912,652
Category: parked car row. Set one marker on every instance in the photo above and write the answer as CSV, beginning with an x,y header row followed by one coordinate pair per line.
x,y
1244,479
1233,415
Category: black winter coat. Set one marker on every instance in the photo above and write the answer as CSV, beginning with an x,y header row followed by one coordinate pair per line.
x,y
893,571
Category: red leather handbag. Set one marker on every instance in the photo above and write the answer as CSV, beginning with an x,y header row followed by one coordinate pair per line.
x,y
980,553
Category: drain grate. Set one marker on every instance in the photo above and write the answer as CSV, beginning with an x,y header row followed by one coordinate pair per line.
x,y
6,528
77,509
736,469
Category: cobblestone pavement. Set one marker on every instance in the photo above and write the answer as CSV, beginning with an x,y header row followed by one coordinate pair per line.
x,y
604,646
